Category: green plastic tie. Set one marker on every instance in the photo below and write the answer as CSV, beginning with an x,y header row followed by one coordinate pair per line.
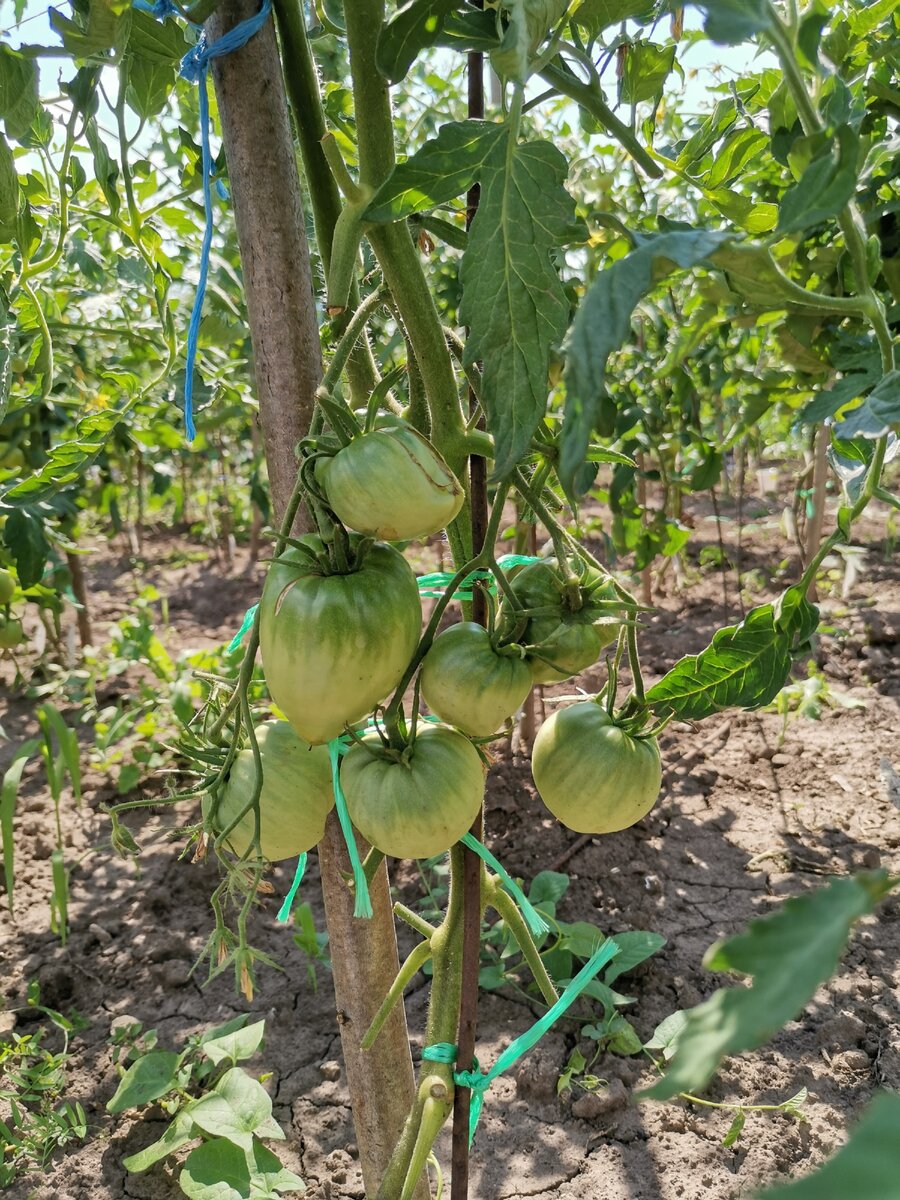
x,y
479,1081
363,907
247,623
535,921
435,584
285,911
807,495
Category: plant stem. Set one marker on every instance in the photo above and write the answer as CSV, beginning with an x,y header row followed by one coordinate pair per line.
x,y
507,908
414,962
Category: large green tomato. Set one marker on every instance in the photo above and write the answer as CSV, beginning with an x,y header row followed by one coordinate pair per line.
x,y
11,634
391,483
566,639
420,807
467,683
7,586
592,775
334,645
296,794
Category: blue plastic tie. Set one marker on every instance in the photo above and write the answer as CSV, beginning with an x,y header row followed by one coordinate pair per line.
x,y
284,913
161,9
195,67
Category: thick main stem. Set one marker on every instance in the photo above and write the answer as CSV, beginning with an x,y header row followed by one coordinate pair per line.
x,y
278,284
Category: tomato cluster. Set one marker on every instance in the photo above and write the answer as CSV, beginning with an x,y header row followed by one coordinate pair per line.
x,y
337,637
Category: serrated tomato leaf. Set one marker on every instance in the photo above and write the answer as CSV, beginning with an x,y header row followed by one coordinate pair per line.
x,y
445,167
789,954
878,413
744,666
513,300
602,324
412,29
824,188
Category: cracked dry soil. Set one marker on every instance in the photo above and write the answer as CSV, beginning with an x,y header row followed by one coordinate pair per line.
x,y
745,820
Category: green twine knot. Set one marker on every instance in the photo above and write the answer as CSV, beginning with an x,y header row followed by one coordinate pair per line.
x,y
479,1081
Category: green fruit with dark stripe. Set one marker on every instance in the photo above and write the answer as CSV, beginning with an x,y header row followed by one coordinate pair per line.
x,y
391,483
592,775
295,800
420,805
468,683
334,645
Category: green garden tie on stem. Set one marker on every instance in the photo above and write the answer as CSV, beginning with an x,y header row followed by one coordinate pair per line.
x,y
284,912
807,495
479,1081
247,623
533,918
435,584
363,906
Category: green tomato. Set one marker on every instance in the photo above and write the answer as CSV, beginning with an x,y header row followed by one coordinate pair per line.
x,y
417,807
295,800
592,775
334,645
7,586
467,683
391,483
565,639
11,634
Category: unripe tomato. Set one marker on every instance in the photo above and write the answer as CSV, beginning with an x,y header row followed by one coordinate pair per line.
x,y
467,683
592,775
566,638
418,807
391,483
7,586
334,645
11,634
295,800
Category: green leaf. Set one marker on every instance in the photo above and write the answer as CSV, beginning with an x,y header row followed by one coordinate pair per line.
x,y
634,948
23,535
9,193
866,1168
789,954
149,84
9,791
513,300
647,67
150,1077
445,167
268,1177
548,887
105,167
217,1170
178,1134
412,29
596,15
735,1129
155,41
754,275
237,1045
622,1036
107,27
745,666
666,1034
824,188
19,102
50,718
602,324
729,22
529,23
877,414
237,1107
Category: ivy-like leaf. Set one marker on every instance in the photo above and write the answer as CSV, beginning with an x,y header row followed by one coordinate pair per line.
x,y
178,1134
866,1168
236,1108
603,322
513,300
789,954
145,1080
19,103
217,1170
878,413
824,188
745,666
442,169
412,29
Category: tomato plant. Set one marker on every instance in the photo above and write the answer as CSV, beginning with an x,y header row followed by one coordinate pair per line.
x,y
553,301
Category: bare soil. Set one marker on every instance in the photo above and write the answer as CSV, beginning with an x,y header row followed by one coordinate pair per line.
x,y
747,817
